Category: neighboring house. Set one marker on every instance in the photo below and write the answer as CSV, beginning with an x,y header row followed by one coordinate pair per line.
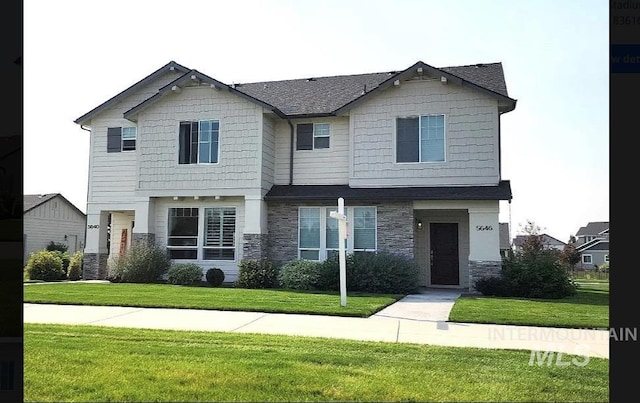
x,y
218,173
548,241
505,240
51,217
592,241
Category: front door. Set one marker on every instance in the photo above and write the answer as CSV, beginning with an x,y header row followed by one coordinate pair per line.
x,y
444,254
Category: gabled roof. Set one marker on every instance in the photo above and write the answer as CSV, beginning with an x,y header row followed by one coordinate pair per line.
x,y
594,228
332,192
325,96
595,244
32,201
546,240
171,66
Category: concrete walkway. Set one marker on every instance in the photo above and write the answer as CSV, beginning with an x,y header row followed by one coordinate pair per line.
x,y
418,318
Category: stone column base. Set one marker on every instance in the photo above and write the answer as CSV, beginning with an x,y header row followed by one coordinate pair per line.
x,y
94,266
143,238
479,269
254,246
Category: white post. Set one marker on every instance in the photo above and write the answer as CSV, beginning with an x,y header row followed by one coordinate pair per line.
x,y
342,235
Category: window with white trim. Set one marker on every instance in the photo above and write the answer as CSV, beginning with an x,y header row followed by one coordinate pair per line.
x,y
318,231
199,142
586,259
420,139
312,136
121,139
206,233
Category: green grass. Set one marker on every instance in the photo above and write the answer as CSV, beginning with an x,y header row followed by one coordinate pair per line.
x,y
219,298
100,364
589,308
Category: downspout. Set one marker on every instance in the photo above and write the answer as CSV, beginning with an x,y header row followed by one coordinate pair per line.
x,y
291,154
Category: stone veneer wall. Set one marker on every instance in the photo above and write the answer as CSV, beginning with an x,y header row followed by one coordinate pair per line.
x,y
395,229
479,269
145,238
94,266
254,246
282,242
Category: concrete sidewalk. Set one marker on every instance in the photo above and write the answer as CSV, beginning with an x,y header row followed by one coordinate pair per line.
x,y
418,318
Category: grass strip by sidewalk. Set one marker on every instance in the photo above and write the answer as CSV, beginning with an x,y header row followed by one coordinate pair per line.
x,y
99,364
218,298
589,308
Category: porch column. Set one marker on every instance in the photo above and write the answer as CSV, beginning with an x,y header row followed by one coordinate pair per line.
x,y
254,245
94,262
484,243
143,228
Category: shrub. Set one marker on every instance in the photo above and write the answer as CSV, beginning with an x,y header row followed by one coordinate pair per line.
x,y
328,278
215,276
74,271
45,265
65,257
381,273
256,274
142,263
56,246
184,274
299,275
530,275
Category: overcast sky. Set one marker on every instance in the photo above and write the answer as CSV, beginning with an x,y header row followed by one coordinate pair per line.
x,y
555,144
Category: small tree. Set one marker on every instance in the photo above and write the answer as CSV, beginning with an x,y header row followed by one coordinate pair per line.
x,y
570,255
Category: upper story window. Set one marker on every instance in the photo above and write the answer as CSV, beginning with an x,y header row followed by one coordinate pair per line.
x,y
121,139
199,142
420,139
311,136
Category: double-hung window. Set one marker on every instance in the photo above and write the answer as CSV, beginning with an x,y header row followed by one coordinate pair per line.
x,y
121,139
312,136
420,139
202,233
318,236
586,259
199,142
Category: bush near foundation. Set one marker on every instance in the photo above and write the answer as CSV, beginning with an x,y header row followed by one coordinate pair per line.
x,y
142,263
74,271
45,265
184,274
215,276
255,273
299,275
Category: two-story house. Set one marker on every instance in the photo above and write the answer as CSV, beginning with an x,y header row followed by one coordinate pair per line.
x,y
218,173
592,241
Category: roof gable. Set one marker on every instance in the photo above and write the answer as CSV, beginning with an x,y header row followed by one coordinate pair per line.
x,y
594,228
546,240
171,66
32,201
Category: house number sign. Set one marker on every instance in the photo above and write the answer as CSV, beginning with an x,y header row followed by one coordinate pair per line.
x,y
484,228
92,226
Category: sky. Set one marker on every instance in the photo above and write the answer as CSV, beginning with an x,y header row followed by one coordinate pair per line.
x,y
555,144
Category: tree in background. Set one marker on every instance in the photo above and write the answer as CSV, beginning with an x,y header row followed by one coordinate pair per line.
x,y
570,255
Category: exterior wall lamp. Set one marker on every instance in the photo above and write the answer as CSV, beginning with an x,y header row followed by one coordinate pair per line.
x,y
419,225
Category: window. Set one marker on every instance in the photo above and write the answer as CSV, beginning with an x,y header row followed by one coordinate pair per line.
x,y
420,139
218,229
219,233
586,259
198,142
121,139
182,240
311,136
318,233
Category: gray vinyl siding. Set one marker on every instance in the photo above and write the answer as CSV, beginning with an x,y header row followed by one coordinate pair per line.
x,y
240,142
51,221
328,166
471,137
230,268
268,152
112,176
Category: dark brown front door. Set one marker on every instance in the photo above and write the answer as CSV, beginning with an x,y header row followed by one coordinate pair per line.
x,y
444,254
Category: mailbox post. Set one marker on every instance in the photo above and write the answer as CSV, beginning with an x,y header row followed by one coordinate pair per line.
x,y
342,235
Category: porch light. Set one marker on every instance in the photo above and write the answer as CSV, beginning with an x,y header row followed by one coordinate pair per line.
x,y
419,225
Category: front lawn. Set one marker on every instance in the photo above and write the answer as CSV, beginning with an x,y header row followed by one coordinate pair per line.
x,y
100,364
218,298
589,308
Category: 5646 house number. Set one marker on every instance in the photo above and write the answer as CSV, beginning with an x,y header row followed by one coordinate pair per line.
x,y
484,228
